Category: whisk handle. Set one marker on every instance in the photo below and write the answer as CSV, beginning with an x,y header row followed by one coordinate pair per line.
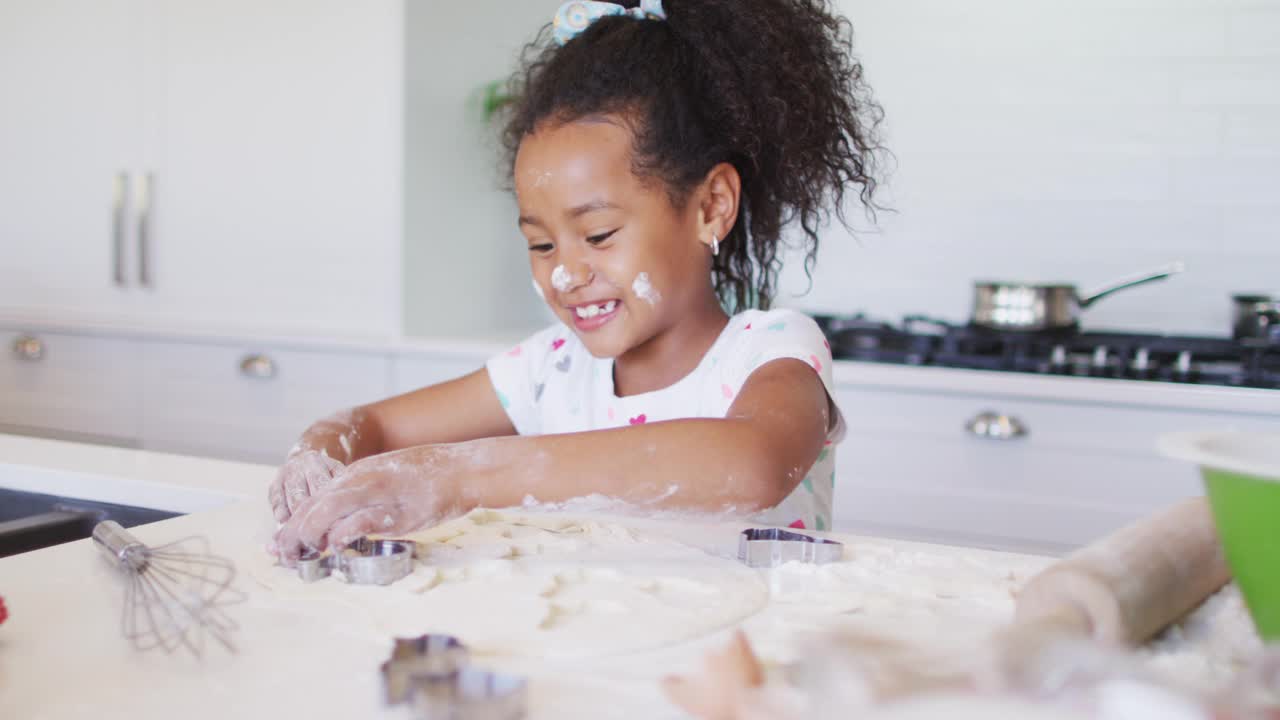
x,y
120,545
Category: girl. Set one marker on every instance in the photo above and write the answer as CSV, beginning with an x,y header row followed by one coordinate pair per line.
x,y
656,152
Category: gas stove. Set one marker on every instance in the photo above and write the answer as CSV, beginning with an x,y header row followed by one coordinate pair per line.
x,y
920,340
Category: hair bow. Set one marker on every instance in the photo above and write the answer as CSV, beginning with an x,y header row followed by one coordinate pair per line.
x,y
573,17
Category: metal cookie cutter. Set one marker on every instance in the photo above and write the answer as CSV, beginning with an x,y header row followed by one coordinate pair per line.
x,y
428,659
363,562
431,672
770,547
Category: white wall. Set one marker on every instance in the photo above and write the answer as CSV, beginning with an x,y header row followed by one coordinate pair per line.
x,y
1038,140
466,264
1068,140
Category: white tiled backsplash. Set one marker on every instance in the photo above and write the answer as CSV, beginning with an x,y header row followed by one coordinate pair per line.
x,y
1047,140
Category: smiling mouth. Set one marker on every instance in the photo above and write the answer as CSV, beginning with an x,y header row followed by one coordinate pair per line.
x,y
586,312
593,316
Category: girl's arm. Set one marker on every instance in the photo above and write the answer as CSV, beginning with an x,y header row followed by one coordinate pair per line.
x,y
748,461
449,412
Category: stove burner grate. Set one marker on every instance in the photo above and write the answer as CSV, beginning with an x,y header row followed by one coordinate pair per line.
x,y
1072,352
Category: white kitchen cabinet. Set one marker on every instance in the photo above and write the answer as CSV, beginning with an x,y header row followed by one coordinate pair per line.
x,y
71,124
249,403
910,467
411,372
277,163
68,386
261,149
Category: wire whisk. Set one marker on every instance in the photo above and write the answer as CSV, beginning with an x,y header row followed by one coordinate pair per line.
x,y
176,593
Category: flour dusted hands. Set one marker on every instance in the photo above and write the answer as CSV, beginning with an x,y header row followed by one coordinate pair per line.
x,y
386,494
302,476
322,452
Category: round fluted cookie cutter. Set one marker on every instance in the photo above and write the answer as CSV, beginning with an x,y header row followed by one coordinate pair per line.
x,y
770,547
362,562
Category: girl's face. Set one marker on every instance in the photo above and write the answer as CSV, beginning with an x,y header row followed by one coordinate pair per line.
x,y
610,254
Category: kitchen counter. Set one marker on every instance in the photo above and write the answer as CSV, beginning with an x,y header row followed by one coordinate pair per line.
x,y
62,656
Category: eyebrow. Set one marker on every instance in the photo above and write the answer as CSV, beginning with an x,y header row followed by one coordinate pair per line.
x,y
574,212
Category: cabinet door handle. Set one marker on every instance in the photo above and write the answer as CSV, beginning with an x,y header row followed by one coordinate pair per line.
x,y
258,367
146,207
997,426
28,348
119,216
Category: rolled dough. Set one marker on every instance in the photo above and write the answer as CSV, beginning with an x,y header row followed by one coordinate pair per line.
x,y
528,584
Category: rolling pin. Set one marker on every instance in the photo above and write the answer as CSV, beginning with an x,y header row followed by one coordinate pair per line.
x,y
1133,583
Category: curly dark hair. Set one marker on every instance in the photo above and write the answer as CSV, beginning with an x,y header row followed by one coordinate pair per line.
x,y
770,86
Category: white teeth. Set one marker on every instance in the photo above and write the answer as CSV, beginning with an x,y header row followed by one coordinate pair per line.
x,y
590,311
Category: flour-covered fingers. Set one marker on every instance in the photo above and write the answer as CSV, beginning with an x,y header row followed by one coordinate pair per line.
x,y
312,525
275,495
306,474
308,527
330,469
376,520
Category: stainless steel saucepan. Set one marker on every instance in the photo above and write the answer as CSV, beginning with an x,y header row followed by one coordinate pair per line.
x,y
1033,307
1256,316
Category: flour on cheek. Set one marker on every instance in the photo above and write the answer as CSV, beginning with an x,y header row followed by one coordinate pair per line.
x,y
644,289
538,289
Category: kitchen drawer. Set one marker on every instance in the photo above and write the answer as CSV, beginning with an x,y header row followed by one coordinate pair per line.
x,y
909,466
1093,426
80,386
248,403
410,372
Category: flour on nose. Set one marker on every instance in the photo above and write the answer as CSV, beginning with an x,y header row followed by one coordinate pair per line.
x,y
644,289
560,279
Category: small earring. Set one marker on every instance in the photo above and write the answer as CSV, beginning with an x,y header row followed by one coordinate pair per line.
x,y
715,244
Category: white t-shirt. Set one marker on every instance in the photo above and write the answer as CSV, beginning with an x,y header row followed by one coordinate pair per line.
x,y
551,384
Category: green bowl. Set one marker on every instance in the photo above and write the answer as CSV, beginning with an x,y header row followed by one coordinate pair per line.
x,y
1242,478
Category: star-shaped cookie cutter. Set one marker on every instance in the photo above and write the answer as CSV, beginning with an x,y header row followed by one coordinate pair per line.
x,y
770,547
432,673
362,562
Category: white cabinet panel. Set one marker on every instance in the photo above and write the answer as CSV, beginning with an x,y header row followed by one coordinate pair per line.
x,y
199,399
909,467
411,372
70,86
277,164
70,385
261,150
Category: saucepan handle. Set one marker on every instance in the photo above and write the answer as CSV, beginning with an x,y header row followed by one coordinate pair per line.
x,y
1160,273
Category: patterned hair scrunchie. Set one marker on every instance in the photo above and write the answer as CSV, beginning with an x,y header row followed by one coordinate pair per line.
x,y
575,16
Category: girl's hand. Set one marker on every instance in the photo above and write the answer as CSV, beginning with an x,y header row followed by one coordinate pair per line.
x,y
303,475
387,494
